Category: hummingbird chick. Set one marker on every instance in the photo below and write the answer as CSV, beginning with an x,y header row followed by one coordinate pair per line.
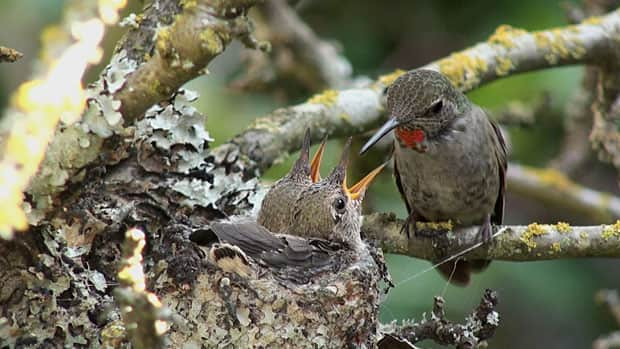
x,y
449,159
329,209
324,219
276,209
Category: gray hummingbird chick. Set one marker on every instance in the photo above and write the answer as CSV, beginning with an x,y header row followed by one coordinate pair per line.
x,y
325,222
276,209
449,159
330,209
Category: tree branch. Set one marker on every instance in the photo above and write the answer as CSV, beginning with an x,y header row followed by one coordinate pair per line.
x,y
552,187
478,326
534,242
198,33
170,45
296,51
507,52
53,93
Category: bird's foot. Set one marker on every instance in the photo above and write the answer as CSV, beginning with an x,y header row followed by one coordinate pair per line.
x,y
408,225
485,230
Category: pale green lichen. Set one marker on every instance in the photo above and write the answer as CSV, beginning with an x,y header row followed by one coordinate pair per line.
x,y
268,124
388,79
188,4
592,20
612,230
563,228
327,98
163,41
504,35
504,65
555,247
464,69
212,41
533,230
345,116
558,46
113,334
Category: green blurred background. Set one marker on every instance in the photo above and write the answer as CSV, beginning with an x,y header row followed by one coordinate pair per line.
x,y
542,304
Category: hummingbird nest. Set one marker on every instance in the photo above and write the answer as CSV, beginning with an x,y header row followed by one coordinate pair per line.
x,y
277,306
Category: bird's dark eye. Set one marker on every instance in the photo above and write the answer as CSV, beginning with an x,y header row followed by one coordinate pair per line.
x,y
436,107
339,204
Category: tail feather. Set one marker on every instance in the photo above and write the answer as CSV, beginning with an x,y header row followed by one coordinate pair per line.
x,y
479,265
458,272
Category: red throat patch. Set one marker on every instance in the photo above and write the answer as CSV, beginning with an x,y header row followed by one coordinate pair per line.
x,y
411,138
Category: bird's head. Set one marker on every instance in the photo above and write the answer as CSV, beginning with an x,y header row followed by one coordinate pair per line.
x,y
330,208
421,105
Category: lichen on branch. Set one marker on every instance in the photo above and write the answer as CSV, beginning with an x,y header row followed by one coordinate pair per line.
x,y
533,242
168,45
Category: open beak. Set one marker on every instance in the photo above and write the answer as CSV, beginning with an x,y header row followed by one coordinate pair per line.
x,y
315,165
387,127
358,189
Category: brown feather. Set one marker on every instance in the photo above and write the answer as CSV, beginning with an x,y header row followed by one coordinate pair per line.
x,y
502,154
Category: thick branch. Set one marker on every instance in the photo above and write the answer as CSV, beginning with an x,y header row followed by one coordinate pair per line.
x,y
198,34
170,45
515,243
508,51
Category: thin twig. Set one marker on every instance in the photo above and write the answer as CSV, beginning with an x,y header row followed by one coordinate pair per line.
x,y
480,325
296,52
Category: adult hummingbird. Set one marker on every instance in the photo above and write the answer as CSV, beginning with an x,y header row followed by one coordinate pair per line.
x,y
449,159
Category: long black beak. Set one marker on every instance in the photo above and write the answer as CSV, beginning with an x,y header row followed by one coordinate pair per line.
x,y
387,127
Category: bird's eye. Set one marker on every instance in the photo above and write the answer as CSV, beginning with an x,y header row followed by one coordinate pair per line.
x,y
436,107
339,204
